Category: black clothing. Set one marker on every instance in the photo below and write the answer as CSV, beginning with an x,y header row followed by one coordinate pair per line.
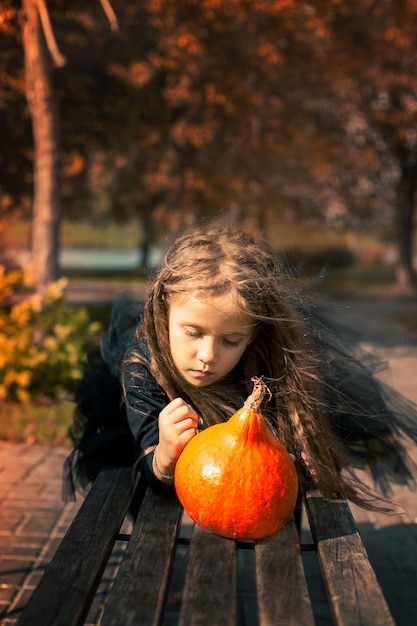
x,y
366,415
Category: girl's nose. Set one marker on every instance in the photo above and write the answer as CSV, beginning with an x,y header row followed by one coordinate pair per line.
x,y
207,351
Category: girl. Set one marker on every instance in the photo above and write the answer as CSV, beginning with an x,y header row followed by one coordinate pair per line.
x,y
222,310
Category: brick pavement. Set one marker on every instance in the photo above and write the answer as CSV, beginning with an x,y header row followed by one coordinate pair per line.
x,y
33,519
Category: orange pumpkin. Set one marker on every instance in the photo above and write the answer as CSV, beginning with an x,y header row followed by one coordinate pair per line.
x,y
235,478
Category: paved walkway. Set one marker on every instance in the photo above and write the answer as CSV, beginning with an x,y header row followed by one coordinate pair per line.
x,y
391,540
33,518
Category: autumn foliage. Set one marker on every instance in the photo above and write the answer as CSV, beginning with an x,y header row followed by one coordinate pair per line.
x,y
42,339
253,108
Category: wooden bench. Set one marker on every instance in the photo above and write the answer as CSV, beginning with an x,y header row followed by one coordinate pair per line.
x,y
275,591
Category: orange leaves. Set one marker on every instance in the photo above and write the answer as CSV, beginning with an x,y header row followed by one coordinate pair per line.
x,y
7,17
270,53
184,133
73,164
189,42
398,36
213,95
139,73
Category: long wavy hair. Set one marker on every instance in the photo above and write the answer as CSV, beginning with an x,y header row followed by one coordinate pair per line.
x,y
211,261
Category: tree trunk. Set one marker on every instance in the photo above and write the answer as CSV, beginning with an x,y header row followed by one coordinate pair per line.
x,y
46,198
148,239
406,196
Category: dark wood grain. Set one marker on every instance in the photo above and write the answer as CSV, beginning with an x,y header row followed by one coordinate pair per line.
x,y
283,598
354,595
271,589
138,594
65,591
210,587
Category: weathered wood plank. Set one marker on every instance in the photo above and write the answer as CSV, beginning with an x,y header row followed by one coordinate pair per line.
x,y
138,595
283,598
210,595
210,585
65,591
354,595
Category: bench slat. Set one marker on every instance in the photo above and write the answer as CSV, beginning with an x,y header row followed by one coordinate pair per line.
x,y
67,588
210,585
279,569
355,597
138,595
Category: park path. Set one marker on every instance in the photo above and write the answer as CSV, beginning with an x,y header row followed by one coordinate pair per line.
x,y
33,517
390,540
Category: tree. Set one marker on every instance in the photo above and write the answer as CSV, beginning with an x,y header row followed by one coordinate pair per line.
x,y
364,68
37,40
250,107
15,131
276,103
41,102
218,69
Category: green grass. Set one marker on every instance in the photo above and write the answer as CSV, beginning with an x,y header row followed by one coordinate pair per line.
x,y
80,234
135,276
42,422
367,245
359,279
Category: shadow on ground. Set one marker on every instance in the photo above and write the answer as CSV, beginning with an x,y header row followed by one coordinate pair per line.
x,y
392,551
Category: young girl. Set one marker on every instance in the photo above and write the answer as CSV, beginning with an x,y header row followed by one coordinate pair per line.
x,y
221,310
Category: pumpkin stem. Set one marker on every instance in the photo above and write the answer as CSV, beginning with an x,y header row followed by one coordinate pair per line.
x,y
254,401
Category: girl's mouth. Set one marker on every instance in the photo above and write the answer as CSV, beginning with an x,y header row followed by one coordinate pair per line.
x,y
202,373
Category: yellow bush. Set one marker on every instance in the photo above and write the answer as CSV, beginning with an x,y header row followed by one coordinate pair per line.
x,y
42,340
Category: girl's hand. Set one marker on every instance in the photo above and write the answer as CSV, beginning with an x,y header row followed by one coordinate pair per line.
x,y
178,423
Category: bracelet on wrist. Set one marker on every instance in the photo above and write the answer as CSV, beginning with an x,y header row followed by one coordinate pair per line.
x,y
156,469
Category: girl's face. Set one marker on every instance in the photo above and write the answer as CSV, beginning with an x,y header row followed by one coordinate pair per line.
x,y
207,337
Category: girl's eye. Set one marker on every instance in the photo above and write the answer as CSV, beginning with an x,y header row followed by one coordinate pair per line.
x,y
197,334
193,333
229,342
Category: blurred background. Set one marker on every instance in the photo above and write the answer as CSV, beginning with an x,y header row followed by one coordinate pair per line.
x,y
123,122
